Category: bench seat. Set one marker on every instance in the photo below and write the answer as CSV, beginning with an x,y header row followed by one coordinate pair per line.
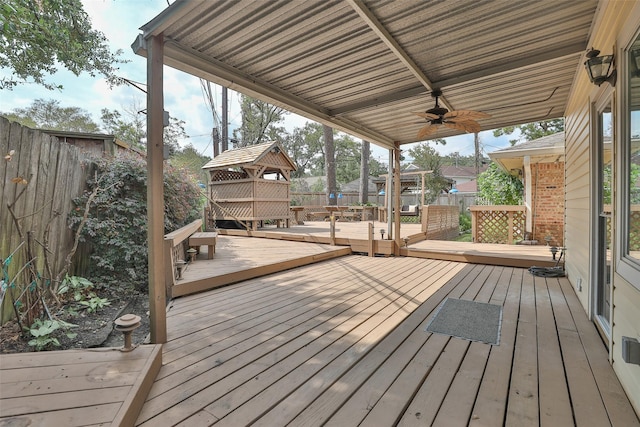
x,y
205,238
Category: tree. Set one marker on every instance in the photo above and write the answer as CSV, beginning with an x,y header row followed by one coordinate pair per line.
x,y
531,131
363,189
258,119
189,159
497,187
330,162
427,158
131,126
48,114
305,147
38,36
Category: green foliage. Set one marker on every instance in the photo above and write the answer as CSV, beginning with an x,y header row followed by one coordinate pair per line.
x,y
43,333
78,287
465,222
496,187
189,159
130,125
39,36
48,114
531,131
117,225
427,158
95,303
258,120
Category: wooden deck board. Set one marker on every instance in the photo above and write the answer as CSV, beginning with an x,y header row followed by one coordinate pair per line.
x,y
76,387
342,343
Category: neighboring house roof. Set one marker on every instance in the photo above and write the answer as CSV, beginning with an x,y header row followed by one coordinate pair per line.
x,y
354,186
547,149
468,187
248,156
87,141
305,184
460,171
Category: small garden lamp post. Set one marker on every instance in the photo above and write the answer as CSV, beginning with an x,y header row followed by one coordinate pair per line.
x,y
127,324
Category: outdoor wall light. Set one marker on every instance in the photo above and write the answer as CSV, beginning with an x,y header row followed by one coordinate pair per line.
x,y
600,68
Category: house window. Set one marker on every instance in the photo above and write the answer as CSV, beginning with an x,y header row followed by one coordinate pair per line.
x,y
630,171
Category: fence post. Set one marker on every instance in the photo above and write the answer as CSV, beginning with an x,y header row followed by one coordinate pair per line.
x,y
474,225
510,215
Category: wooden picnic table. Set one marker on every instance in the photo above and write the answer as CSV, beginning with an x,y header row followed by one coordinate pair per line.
x,y
365,212
336,211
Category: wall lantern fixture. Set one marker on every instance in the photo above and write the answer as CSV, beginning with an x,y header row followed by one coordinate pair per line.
x,y
600,68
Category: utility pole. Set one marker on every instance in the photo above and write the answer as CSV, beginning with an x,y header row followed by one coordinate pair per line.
x,y
215,135
476,141
225,119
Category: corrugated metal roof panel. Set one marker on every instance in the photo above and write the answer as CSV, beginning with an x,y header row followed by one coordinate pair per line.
x,y
327,61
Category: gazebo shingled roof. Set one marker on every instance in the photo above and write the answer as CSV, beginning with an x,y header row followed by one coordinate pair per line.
x,y
247,156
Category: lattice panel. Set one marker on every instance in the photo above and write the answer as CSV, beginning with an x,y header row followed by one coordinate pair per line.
x,y
232,190
226,175
238,210
273,159
493,226
272,210
272,190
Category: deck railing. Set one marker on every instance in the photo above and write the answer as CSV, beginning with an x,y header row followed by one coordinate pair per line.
x,y
176,245
497,224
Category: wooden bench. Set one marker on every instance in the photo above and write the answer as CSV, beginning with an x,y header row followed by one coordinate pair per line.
x,y
204,238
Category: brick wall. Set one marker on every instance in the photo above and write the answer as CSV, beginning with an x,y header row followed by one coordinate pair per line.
x,y
548,202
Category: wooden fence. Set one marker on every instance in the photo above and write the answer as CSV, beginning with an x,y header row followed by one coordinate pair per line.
x,y
440,222
38,182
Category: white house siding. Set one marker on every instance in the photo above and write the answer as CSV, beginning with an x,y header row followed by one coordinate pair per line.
x,y
616,18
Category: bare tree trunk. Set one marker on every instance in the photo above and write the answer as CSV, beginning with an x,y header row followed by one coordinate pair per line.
x,y
330,165
363,196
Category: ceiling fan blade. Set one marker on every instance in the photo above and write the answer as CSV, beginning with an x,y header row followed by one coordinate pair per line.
x,y
466,125
427,130
466,114
427,115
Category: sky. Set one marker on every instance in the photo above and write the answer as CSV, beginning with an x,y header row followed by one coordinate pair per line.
x,y
120,21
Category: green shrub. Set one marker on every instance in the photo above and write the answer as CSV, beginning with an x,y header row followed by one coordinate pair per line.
x,y
116,229
465,222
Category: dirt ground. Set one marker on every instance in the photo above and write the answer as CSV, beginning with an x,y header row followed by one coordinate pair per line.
x,y
92,329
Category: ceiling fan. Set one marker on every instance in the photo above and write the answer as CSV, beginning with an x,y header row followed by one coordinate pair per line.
x,y
464,120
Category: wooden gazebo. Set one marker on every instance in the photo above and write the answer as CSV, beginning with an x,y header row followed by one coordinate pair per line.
x,y
251,184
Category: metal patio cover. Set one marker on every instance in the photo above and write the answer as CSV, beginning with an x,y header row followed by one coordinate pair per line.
x,y
363,67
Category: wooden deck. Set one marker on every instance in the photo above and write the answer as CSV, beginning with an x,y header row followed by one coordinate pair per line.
x,y
242,258
76,387
355,235
343,343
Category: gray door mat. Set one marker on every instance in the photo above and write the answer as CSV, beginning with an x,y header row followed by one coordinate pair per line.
x,y
469,320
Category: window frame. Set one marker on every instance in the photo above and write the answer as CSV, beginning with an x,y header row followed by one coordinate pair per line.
x,y
627,267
